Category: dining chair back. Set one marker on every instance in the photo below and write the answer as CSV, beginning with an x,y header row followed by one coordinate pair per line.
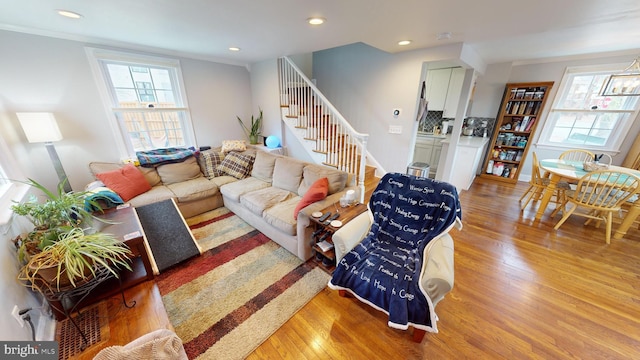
x,y
577,155
601,193
538,183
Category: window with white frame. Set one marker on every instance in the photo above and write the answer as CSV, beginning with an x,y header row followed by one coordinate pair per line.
x,y
146,99
581,118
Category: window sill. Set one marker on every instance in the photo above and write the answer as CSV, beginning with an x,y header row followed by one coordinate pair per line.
x,y
9,194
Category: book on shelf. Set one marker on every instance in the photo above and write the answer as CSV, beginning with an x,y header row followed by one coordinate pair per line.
x,y
523,124
530,107
514,108
530,124
523,108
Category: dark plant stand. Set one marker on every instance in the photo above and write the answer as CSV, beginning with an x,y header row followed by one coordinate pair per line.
x,y
70,297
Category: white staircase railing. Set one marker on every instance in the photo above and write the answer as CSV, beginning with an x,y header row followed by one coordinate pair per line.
x,y
338,144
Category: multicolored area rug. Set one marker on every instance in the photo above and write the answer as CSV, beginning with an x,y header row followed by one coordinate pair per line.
x,y
226,302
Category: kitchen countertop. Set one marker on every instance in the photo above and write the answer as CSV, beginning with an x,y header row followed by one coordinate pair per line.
x,y
432,135
469,141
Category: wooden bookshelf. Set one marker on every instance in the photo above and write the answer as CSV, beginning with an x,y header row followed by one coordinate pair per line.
x,y
516,123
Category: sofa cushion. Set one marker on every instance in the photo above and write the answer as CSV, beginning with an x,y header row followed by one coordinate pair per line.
x,y
223,180
263,166
194,189
98,167
312,173
233,145
316,192
178,172
237,165
259,200
280,216
287,173
234,190
157,193
127,181
209,161
150,174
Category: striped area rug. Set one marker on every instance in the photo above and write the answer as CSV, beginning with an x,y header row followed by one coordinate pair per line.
x,y
226,302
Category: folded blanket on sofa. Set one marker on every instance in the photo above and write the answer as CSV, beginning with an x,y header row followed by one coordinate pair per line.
x,y
155,157
101,198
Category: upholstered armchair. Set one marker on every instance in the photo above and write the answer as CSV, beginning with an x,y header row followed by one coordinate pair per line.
x,y
398,256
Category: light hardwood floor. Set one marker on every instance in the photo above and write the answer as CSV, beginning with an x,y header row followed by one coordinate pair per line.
x,y
522,291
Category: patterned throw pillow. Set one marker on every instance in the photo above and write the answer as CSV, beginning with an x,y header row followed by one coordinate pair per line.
x,y
209,161
233,145
237,165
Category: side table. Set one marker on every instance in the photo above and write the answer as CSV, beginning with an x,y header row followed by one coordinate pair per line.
x,y
323,231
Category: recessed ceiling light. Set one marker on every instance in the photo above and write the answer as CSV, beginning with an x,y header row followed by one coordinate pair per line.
x,y
316,20
404,42
69,14
233,48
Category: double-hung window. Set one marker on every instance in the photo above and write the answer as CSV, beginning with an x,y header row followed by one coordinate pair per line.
x,y
146,100
581,118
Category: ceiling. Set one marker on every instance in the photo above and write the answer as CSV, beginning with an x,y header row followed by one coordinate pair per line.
x,y
498,30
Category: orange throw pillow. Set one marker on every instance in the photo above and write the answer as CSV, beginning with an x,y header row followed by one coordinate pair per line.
x,y
316,192
128,181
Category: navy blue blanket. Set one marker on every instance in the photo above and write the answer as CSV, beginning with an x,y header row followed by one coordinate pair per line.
x,y
384,270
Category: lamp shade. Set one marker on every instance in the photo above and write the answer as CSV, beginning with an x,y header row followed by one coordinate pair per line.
x,y
39,126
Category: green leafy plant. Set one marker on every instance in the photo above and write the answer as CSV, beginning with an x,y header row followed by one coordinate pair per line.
x,y
73,258
58,214
255,130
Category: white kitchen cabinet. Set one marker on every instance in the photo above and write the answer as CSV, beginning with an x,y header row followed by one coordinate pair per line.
x,y
423,150
453,93
427,150
437,84
467,160
443,87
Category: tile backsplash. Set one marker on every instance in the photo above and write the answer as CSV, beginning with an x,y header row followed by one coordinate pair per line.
x,y
431,120
434,118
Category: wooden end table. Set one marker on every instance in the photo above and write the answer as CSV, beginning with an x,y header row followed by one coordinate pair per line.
x,y
323,231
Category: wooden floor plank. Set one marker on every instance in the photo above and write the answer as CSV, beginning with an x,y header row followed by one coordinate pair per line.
x,y
522,290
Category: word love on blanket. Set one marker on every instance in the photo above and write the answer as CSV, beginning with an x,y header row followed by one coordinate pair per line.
x,y
385,269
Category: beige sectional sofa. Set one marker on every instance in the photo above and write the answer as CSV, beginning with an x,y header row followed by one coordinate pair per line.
x,y
266,199
194,194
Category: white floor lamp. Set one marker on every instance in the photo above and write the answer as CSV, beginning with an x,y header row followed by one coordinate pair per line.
x,y
42,127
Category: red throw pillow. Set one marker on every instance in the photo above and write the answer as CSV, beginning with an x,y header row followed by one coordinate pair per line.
x,y
128,181
316,192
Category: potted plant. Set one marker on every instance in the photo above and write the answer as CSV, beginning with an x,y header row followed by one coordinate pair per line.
x,y
58,214
255,130
74,258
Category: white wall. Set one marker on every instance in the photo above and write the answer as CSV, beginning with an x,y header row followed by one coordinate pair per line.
x,y
14,293
366,84
46,74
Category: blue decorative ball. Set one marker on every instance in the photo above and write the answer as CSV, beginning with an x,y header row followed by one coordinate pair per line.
x,y
272,142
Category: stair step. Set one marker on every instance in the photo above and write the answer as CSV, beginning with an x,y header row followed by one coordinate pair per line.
x,y
369,172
